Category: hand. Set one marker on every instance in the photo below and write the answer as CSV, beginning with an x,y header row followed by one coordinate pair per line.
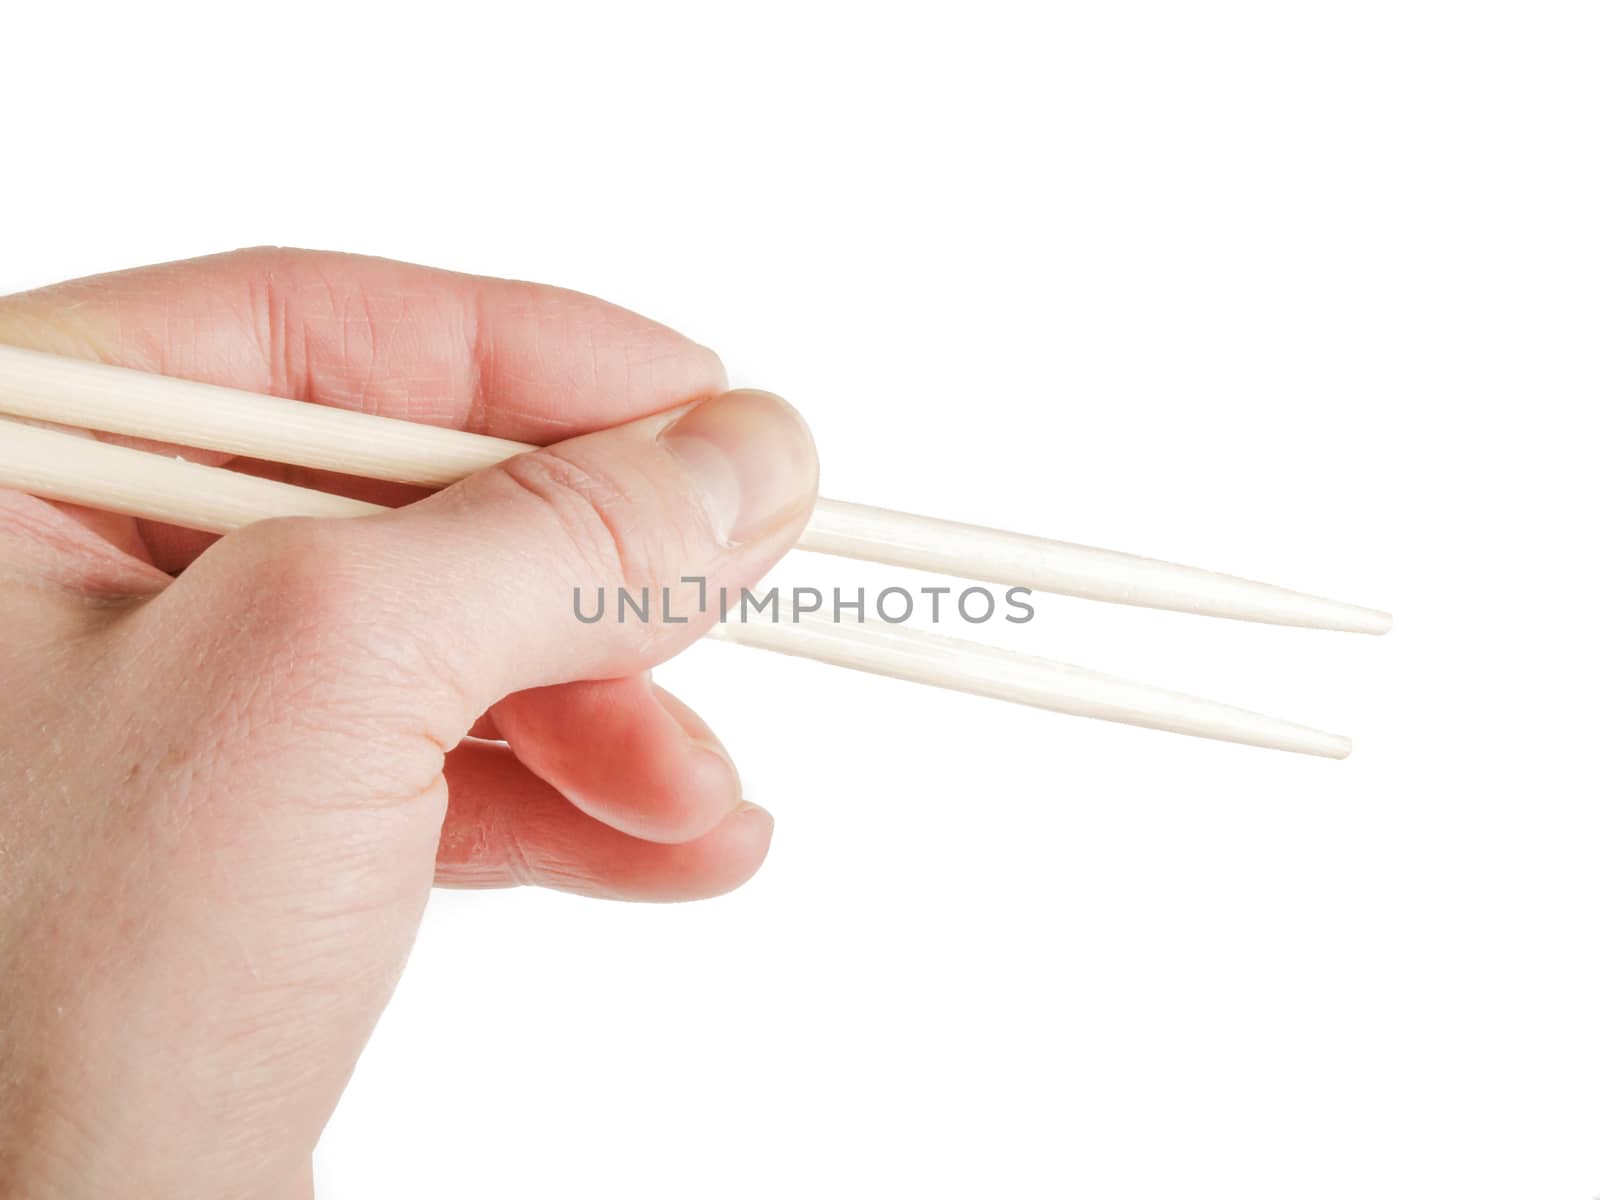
x,y
232,771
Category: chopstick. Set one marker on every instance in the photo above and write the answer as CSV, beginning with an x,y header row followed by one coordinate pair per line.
x,y
69,391
63,466
916,656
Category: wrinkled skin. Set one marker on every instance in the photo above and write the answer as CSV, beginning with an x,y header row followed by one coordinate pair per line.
x,y
230,770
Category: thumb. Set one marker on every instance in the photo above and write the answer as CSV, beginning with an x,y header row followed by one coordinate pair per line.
x,y
474,593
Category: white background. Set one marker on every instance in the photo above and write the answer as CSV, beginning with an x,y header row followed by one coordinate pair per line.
x,y
1305,292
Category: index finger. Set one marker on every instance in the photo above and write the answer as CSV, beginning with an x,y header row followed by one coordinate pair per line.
x,y
524,361
519,360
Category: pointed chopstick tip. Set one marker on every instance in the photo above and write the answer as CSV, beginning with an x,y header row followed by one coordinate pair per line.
x,y
1374,621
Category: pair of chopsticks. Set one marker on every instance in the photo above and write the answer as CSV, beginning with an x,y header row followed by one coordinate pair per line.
x,y
63,466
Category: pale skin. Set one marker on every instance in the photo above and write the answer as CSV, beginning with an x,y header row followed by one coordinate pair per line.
x,y
230,771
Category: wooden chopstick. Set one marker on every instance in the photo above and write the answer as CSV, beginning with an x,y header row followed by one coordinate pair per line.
x,y
917,656
71,391
64,466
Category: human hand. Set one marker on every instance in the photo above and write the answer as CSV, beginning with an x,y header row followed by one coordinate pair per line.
x,y
231,772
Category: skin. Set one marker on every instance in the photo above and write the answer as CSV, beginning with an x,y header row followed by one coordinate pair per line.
x,y
231,770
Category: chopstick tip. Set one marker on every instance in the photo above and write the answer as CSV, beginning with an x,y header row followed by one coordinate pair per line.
x,y
1302,739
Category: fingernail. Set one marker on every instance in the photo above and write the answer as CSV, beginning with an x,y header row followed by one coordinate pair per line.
x,y
751,459
754,812
697,731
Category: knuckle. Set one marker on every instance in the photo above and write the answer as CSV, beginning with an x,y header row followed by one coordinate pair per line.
x,y
593,518
304,636
301,576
